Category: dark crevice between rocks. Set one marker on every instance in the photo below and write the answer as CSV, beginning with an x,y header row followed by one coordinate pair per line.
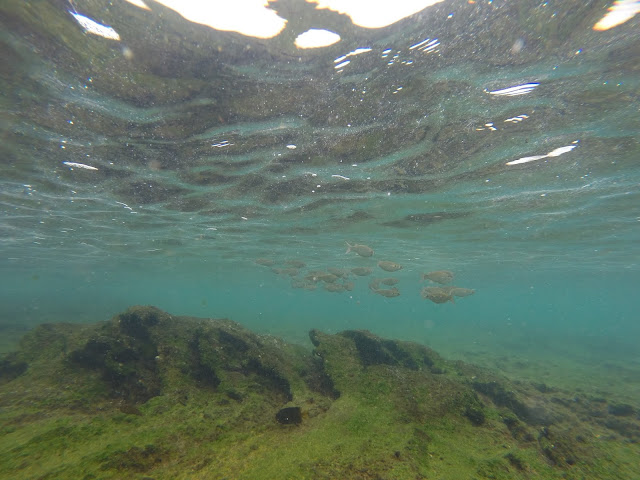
x,y
11,367
200,369
270,378
126,358
373,350
318,380
503,398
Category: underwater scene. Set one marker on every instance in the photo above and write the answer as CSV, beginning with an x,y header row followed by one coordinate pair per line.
x,y
320,239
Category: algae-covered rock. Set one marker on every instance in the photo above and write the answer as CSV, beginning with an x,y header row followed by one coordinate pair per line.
x,y
152,395
401,374
11,367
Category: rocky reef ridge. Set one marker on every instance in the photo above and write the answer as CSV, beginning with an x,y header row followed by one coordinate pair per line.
x,y
152,395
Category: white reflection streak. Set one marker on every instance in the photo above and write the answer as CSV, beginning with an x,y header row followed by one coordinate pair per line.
x,y
357,51
432,46
340,176
554,153
619,12
419,44
126,206
517,90
91,26
517,119
79,165
426,45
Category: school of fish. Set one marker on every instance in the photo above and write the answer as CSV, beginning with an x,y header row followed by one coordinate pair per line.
x,y
336,280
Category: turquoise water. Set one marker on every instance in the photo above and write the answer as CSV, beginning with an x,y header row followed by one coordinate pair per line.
x,y
208,150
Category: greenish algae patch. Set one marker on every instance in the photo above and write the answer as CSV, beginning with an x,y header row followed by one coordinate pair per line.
x,y
151,395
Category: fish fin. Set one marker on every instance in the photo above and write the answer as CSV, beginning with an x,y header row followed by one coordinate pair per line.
x,y
348,247
452,300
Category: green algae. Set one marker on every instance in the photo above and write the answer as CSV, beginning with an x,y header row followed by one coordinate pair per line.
x,y
151,395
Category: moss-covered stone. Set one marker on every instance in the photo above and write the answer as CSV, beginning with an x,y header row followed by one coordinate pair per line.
x,y
151,395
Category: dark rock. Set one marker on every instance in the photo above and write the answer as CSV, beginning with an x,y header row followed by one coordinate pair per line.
x,y
621,410
235,395
289,416
137,320
11,367
370,349
314,336
125,356
373,350
626,428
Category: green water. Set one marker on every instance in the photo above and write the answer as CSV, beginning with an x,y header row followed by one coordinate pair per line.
x,y
191,132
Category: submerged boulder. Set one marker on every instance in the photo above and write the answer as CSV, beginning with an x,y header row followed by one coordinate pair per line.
x,y
149,393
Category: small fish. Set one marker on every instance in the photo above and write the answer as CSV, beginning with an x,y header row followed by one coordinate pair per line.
x,y
437,294
462,292
373,284
362,250
348,286
338,272
334,287
267,262
361,271
389,293
390,281
441,276
314,276
327,277
389,266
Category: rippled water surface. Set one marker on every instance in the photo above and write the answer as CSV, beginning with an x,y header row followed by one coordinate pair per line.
x,y
497,140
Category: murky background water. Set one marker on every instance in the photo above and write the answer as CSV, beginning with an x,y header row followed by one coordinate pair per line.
x,y
494,139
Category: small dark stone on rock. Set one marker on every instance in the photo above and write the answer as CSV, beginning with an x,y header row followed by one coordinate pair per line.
x,y
289,416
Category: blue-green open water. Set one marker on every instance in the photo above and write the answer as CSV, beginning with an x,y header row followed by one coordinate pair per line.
x,y
190,133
